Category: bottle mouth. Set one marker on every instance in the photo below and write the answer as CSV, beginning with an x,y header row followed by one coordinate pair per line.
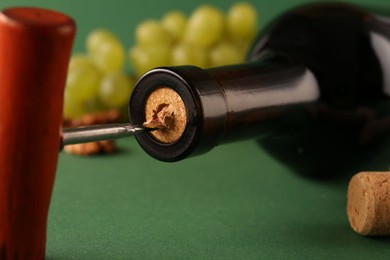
x,y
187,103
163,100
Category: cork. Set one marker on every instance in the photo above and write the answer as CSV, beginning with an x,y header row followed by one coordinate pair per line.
x,y
165,111
368,203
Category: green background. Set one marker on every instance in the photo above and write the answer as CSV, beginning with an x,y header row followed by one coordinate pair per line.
x,y
235,202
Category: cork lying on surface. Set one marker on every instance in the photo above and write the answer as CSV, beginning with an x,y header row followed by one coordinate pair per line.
x,y
165,110
368,203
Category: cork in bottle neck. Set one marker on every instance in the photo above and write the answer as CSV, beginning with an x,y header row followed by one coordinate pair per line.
x,y
165,110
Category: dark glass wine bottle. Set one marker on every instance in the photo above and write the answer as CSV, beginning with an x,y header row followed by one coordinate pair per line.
x,y
314,91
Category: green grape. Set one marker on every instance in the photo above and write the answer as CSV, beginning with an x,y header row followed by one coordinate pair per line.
x,y
95,37
147,58
79,60
83,78
115,90
151,32
243,48
175,23
242,21
108,55
187,54
73,108
205,26
94,105
225,53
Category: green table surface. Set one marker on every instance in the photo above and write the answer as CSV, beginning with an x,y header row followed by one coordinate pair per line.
x,y
236,202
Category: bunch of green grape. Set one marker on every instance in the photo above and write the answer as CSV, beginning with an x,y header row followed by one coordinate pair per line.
x,y
96,80
207,38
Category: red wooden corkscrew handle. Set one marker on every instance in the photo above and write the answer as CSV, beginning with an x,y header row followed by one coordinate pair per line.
x,y
35,46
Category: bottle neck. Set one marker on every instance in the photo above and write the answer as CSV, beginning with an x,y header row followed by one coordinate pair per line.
x,y
224,104
258,95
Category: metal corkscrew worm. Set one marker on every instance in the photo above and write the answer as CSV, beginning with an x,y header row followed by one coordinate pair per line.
x,y
95,133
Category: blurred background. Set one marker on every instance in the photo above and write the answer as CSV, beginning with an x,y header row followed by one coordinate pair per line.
x,y
123,19
236,202
122,16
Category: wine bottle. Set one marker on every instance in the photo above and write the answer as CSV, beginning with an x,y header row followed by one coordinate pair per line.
x,y
314,90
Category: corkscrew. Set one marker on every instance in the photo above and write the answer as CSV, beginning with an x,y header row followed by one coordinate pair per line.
x,y
95,133
161,119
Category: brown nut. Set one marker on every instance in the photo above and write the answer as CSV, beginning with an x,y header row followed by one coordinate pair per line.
x,y
85,149
92,148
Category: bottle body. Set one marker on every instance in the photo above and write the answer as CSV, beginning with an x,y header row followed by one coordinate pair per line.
x,y
323,65
348,51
